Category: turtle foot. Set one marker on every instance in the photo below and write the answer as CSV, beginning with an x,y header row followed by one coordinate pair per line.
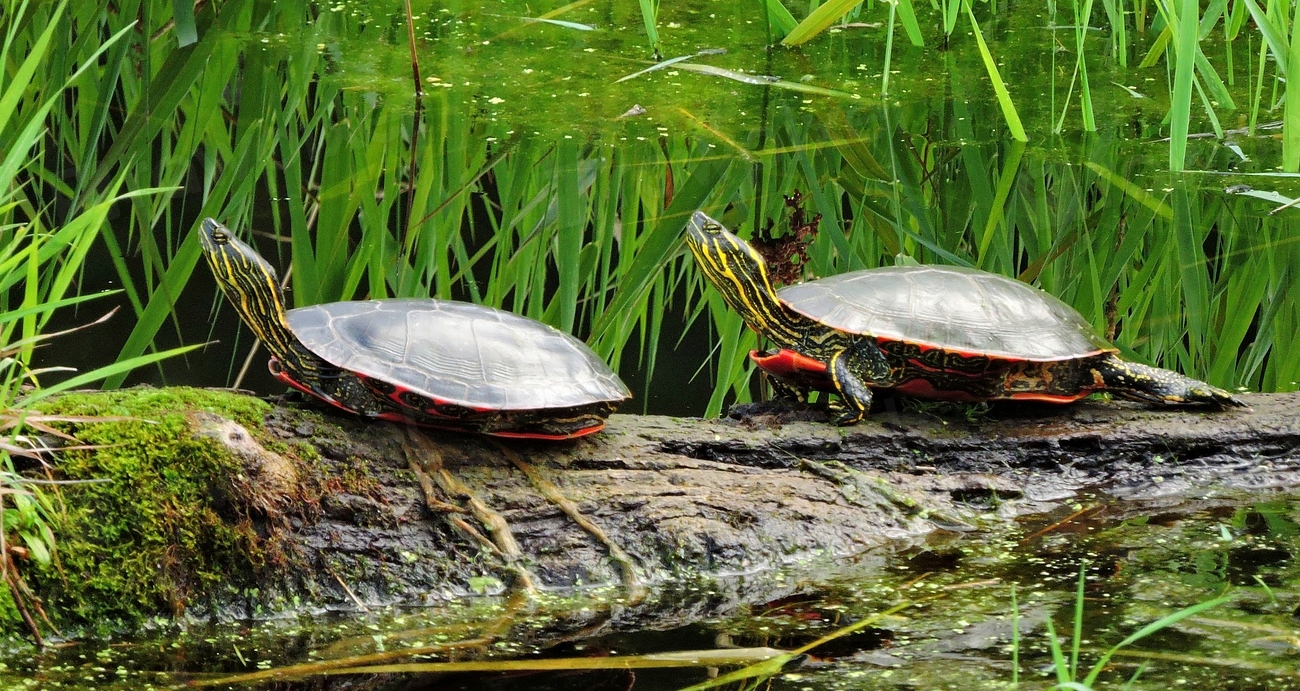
x,y
1140,382
1211,395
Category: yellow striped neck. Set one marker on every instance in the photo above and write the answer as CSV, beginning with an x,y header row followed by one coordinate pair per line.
x,y
250,284
740,275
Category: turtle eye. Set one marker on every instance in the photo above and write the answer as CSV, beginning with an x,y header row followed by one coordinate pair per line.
x,y
220,236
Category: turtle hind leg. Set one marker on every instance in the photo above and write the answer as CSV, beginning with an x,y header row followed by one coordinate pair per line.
x,y
786,390
1140,382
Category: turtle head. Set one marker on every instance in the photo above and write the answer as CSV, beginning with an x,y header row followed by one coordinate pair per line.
x,y
248,281
233,262
735,269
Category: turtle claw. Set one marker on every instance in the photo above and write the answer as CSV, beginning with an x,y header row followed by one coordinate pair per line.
x,y
1140,382
848,417
1213,395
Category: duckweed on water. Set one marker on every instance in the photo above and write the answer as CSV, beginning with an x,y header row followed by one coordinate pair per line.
x,y
158,533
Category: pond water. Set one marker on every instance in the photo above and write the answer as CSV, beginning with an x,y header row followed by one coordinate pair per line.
x,y
968,607
551,188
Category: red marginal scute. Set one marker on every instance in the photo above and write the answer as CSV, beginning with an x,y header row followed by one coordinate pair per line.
x,y
787,363
795,368
551,437
1049,398
398,390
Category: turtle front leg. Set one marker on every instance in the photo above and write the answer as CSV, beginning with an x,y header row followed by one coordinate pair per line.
x,y
854,371
1140,382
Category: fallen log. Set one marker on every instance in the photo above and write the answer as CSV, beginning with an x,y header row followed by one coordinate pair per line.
x,y
292,508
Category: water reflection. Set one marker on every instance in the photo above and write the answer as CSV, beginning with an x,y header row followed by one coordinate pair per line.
x,y
956,630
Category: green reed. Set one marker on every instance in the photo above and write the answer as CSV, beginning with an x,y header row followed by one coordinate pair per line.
x,y
650,19
1069,675
585,234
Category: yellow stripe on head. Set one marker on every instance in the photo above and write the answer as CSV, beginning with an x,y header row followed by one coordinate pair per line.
x,y
250,283
739,273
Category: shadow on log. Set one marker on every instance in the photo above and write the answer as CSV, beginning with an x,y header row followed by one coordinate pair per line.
x,y
408,516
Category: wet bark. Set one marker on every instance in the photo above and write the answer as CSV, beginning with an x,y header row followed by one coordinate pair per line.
x,y
426,515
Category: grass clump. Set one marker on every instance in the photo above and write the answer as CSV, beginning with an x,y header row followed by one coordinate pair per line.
x,y
158,531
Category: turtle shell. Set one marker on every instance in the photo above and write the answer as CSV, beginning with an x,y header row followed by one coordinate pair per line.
x,y
949,307
459,353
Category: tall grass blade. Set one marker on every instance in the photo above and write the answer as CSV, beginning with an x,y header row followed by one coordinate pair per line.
x,y
1153,627
1274,37
1191,262
560,22
818,20
22,77
183,13
48,306
780,19
1157,49
668,63
117,369
1213,81
889,50
997,213
1015,640
1077,634
907,15
1138,194
572,220
1183,21
1085,92
773,666
167,88
1004,97
1059,665
656,248
650,18
1291,113
951,8
667,660
762,80
1118,25
164,297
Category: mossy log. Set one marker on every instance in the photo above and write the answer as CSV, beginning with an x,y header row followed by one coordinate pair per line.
x,y
223,506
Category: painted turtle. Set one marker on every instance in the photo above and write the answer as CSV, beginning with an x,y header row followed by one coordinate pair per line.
x,y
931,331
453,365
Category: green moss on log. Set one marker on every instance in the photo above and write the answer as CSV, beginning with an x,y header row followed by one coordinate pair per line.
x,y
159,531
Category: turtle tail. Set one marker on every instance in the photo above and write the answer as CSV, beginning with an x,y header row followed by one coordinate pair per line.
x,y
1140,382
